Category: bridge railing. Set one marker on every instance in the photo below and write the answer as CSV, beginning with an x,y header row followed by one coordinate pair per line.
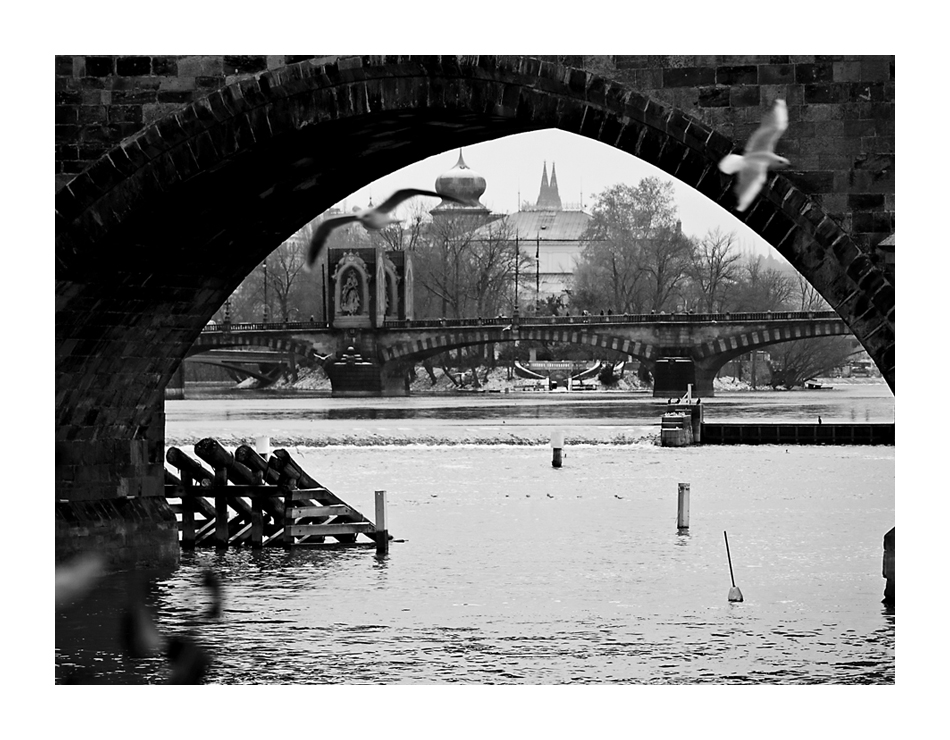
x,y
503,321
265,326
648,318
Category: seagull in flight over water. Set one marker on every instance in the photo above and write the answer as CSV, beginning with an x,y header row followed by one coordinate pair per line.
x,y
759,155
372,219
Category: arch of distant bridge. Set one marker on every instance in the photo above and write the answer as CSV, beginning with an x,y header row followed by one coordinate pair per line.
x,y
719,351
215,340
729,348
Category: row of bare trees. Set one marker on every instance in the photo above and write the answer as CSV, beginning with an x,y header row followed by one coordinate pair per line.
x,y
638,260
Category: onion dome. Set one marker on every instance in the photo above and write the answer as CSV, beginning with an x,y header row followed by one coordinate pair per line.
x,y
464,183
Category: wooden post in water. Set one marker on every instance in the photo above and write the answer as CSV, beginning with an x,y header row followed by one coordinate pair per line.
x,y
187,512
382,527
557,443
288,539
221,507
682,506
257,521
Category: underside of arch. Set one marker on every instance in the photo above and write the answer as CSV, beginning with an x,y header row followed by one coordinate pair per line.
x,y
152,238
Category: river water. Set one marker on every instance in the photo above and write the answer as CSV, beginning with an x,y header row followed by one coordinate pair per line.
x,y
509,571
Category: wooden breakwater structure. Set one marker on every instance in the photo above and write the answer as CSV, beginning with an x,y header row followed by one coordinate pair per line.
x,y
781,433
245,500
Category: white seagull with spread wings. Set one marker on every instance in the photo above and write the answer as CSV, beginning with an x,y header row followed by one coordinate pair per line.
x,y
372,219
759,156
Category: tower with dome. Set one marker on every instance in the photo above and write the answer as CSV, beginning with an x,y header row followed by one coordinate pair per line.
x,y
465,184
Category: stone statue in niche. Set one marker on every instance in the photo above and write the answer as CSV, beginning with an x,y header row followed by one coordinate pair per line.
x,y
350,294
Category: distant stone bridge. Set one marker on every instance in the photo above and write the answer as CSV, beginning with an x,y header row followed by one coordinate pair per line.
x,y
708,340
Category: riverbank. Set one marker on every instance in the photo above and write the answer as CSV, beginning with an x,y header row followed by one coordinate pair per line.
x,y
497,381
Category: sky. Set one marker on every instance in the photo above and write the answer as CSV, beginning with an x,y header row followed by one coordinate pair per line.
x,y
585,168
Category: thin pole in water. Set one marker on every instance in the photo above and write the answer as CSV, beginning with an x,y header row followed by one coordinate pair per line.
x,y
734,593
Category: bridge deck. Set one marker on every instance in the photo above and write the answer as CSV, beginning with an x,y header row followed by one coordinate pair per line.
x,y
533,320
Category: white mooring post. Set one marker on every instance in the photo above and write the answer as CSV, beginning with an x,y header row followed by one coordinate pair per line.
x,y
382,527
557,443
262,446
682,506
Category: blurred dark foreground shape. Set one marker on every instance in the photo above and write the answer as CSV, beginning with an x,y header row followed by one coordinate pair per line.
x,y
138,635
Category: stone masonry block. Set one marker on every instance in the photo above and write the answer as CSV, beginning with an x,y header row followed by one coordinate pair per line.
x,y
744,95
810,73
570,115
737,75
133,66
599,90
669,155
99,66
776,74
200,66
689,77
692,168
593,123
713,97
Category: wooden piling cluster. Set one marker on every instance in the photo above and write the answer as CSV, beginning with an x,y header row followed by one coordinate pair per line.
x,y
245,500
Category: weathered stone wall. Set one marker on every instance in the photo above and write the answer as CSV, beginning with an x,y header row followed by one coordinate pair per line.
x,y
840,136
841,111
101,100
141,531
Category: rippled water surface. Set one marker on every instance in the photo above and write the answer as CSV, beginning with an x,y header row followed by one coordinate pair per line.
x,y
308,419
512,571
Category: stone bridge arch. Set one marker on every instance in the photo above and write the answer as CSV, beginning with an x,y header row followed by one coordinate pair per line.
x,y
154,235
710,356
416,350
215,340
729,348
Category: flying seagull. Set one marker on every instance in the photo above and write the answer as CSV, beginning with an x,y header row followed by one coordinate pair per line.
x,y
759,155
372,219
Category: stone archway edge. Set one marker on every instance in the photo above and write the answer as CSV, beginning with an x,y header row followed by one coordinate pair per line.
x,y
181,140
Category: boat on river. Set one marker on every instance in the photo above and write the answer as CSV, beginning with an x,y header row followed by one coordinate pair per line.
x,y
813,385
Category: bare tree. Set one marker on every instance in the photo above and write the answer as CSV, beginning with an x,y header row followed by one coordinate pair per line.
x,y
808,298
792,363
714,269
762,288
636,251
285,268
465,267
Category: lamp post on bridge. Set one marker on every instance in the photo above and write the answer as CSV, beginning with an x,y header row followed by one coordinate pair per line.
x,y
265,290
537,274
517,272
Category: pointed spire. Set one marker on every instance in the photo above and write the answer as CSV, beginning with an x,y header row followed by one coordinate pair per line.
x,y
548,198
461,163
554,194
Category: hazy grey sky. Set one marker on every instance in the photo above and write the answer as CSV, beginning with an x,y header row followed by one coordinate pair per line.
x,y
583,166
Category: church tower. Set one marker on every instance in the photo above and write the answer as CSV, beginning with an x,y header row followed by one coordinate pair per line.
x,y
548,199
